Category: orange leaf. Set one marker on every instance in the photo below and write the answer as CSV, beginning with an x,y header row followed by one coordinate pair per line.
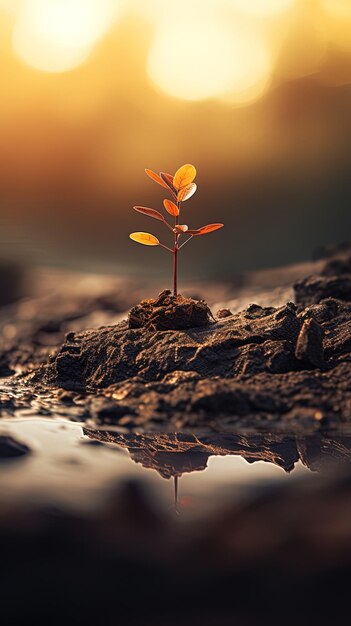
x,y
186,192
171,208
205,229
184,176
150,212
145,238
181,228
156,178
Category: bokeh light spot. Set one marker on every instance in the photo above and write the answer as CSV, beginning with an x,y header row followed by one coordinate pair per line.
x,y
208,61
192,62
262,8
339,8
58,35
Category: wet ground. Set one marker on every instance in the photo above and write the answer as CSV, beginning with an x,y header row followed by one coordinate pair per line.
x,y
108,526
105,518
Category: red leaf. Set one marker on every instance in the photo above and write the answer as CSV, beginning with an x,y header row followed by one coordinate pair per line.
x,y
150,212
168,180
209,228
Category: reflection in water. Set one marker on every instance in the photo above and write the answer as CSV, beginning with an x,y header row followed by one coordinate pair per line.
x,y
178,453
60,468
173,455
276,555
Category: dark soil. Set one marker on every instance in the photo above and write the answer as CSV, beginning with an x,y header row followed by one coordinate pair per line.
x,y
173,366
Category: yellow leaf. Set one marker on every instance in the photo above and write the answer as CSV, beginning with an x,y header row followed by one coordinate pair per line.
x,y
184,176
156,178
171,208
181,228
186,192
145,238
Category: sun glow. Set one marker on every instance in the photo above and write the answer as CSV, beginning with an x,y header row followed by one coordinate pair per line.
x,y
340,8
227,50
208,61
262,8
58,35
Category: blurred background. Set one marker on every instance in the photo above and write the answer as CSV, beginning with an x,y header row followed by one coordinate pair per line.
x,y
255,93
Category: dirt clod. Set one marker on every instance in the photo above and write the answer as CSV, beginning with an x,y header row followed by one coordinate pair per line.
x,y
168,312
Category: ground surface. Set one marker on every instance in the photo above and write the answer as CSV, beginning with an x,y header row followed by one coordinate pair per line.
x,y
271,382
286,366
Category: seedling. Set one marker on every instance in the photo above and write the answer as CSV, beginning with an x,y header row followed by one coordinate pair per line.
x,y
181,187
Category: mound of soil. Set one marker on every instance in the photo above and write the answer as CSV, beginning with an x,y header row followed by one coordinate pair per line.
x,y
255,340
256,367
172,366
168,312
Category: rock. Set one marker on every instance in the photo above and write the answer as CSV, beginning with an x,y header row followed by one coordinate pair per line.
x,y
11,448
309,346
223,313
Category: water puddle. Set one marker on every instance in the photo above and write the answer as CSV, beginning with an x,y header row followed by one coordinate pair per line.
x,y
59,462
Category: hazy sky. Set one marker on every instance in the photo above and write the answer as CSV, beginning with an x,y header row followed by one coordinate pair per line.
x,y
255,93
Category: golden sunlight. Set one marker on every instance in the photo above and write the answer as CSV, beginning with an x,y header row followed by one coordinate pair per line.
x,y
341,8
251,67
210,61
192,63
58,35
262,8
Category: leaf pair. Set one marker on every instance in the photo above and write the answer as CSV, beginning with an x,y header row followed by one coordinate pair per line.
x,y
150,240
157,178
163,179
181,184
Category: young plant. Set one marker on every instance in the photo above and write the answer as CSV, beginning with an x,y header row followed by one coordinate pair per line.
x,y
181,187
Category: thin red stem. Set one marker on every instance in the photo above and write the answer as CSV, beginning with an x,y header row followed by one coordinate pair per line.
x,y
175,272
175,257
